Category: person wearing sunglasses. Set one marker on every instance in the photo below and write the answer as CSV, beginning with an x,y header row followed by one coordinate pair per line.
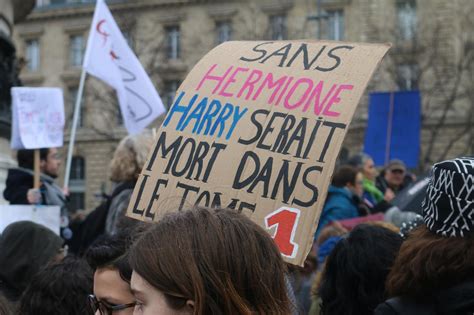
x,y
112,294
393,177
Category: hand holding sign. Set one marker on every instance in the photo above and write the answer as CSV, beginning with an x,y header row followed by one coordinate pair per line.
x,y
257,127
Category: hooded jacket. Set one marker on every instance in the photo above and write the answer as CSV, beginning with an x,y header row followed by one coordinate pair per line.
x,y
25,247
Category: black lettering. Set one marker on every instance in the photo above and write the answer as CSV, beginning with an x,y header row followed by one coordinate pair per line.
x,y
154,197
204,194
245,205
283,176
187,189
298,136
164,151
232,204
282,137
264,177
269,128
174,170
335,57
217,148
200,153
304,49
257,124
238,184
308,184
333,126
312,138
283,52
263,52
135,209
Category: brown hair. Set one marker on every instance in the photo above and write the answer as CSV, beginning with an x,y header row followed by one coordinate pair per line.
x,y
344,175
218,258
427,261
130,157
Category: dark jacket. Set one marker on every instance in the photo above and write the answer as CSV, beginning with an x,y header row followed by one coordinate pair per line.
x,y
458,300
25,247
20,180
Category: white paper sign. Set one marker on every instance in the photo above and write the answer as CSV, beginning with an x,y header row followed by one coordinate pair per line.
x,y
38,118
48,216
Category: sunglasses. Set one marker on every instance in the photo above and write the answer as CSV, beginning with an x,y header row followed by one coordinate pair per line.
x,y
397,171
105,308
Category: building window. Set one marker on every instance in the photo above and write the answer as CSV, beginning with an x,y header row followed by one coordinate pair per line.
x,y
170,89
335,24
76,50
278,29
32,55
224,31
77,183
173,45
72,101
406,14
407,77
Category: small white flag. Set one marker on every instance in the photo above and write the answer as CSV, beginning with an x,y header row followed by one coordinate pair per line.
x,y
109,58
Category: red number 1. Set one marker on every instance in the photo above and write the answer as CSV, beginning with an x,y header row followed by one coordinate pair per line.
x,y
286,221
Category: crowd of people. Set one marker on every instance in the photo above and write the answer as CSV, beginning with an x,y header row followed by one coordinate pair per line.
x,y
217,261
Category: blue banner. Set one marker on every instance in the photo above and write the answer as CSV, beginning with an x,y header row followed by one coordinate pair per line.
x,y
393,129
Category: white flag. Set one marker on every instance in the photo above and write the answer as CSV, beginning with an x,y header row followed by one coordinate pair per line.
x,y
109,58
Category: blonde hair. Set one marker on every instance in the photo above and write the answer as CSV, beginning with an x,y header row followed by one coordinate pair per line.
x,y
130,156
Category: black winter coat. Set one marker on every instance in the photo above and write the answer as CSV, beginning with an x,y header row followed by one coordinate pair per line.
x,y
458,300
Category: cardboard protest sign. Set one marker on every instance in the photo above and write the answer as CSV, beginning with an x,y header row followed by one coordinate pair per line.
x,y
38,118
257,126
47,216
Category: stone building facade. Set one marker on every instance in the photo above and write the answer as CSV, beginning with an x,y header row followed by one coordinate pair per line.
x,y
170,36
10,12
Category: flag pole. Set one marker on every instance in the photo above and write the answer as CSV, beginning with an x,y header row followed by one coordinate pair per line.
x,y
73,128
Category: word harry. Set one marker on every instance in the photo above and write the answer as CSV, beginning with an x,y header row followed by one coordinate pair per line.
x,y
293,93
209,116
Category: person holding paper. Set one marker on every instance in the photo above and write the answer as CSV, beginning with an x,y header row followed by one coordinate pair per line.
x,y
19,185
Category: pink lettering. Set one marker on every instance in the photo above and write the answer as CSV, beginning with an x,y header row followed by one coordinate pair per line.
x,y
303,97
250,83
231,80
335,99
217,78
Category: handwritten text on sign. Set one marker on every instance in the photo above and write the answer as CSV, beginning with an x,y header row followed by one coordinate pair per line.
x,y
38,118
257,126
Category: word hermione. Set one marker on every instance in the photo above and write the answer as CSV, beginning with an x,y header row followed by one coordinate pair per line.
x,y
293,93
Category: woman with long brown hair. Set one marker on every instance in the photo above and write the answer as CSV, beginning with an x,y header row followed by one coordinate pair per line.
x,y
434,271
207,261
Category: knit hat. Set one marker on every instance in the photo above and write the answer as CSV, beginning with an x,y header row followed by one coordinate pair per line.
x,y
448,207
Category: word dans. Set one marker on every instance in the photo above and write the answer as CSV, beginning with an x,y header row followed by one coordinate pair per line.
x,y
277,179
